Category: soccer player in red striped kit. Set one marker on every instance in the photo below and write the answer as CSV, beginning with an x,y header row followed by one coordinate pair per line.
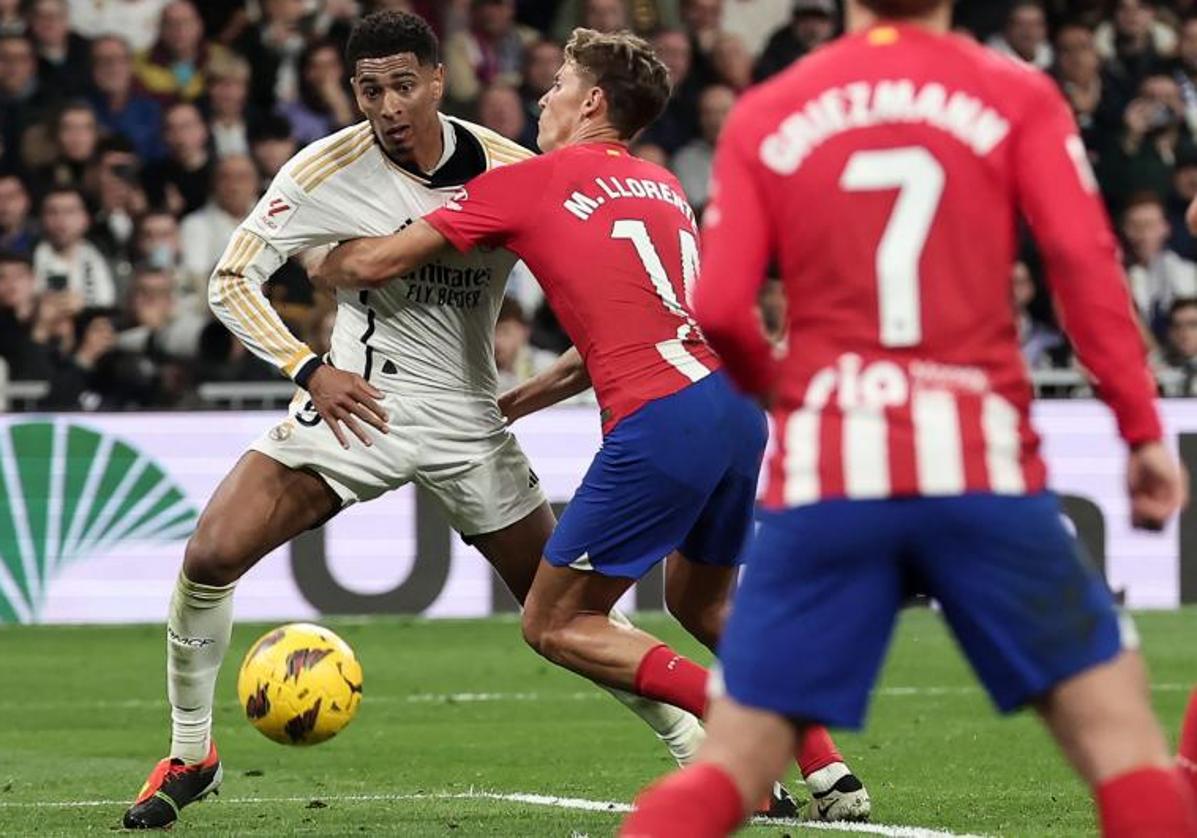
x,y
885,175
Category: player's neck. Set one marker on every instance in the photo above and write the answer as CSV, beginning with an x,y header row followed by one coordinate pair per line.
x,y
594,132
860,19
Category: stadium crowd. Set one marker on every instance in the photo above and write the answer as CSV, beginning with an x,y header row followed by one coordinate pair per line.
x,y
135,135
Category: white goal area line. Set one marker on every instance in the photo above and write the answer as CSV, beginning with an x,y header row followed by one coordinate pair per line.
x,y
526,798
482,698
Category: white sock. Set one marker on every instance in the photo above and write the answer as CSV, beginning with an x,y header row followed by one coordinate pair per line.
x,y
679,730
197,637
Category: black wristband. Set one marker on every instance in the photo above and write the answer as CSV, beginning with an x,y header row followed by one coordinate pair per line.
x,y
304,374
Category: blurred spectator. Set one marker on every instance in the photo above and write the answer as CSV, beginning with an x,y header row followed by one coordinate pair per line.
x,y
692,164
1094,102
173,70
1181,352
679,123
325,102
1157,276
271,144
515,358
136,21
120,202
700,19
604,15
652,153
491,50
65,260
158,326
754,21
63,56
1039,342
11,20
181,180
731,62
23,98
207,231
75,137
1185,71
1184,192
17,231
500,110
541,61
273,46
1153,136
644,17
1134,43
228,104
157,243
27,324
106,377
119,107
1024,36
813,23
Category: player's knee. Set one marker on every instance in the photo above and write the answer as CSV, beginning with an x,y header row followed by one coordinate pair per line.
x,y
209,559
543,635
703,620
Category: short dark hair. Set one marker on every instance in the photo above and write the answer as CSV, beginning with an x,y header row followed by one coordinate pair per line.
x,y
389,32
11,257
902,8
62,190
1179,304
633,79
271,126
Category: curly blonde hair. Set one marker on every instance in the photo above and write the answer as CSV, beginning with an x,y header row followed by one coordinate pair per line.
x,y
633,79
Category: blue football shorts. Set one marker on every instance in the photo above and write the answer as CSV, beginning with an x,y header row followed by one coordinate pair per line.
x,y
680,473
825,582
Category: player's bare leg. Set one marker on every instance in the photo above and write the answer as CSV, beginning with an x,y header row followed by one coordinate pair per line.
x,y
260,505
1104,724
564,621
698,595
1186,749
514,552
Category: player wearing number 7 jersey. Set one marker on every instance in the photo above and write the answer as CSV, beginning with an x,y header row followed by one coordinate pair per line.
x,y
613,242
905,456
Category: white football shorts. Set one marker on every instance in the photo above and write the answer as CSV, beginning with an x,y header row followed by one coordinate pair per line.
x,y
455,446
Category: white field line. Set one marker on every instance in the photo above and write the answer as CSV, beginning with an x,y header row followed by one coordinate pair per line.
x,y
475,698
550,801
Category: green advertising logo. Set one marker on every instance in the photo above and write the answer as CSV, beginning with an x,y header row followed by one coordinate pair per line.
x,y
68,492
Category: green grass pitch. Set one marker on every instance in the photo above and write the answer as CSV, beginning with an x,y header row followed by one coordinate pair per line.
x,y
462,707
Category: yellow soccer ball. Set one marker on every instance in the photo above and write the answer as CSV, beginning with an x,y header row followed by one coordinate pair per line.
x,y
300,684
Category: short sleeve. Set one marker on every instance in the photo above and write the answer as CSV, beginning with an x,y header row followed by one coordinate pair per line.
x,y
493,208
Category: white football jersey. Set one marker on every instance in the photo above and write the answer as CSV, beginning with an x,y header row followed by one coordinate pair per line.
x,y
431,331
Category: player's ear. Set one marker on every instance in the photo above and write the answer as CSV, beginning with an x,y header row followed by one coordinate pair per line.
x,y
594,104
438,82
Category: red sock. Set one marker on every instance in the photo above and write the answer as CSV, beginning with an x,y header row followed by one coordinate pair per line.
x,y
701,801
664,675
816,750
1147,803
1186,752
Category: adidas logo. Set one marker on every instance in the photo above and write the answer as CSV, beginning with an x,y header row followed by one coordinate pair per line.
x,y
68,492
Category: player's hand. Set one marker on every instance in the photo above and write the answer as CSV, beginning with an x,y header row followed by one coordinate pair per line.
x,y
1158,486
337,268
345,397
509,405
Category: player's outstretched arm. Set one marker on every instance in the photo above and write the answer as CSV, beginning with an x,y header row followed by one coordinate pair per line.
x,y
737,243
563,380
1059,198
373,262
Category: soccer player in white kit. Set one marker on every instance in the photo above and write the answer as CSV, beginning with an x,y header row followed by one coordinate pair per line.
x,y
407,394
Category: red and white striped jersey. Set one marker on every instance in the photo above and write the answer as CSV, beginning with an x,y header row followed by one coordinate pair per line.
x,y
885,175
